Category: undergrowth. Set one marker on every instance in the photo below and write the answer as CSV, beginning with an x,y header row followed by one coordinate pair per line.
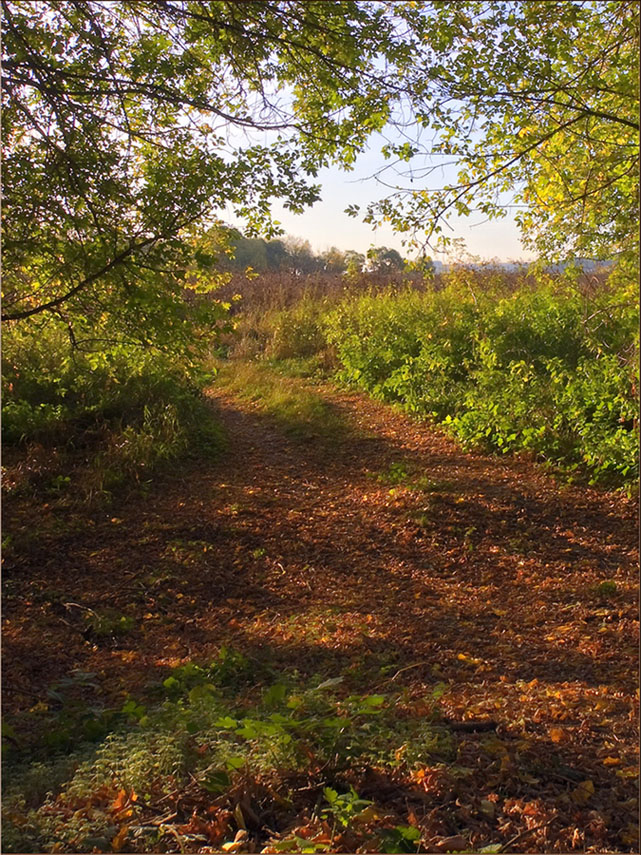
x,y
546,370
89,422
224,743
537,363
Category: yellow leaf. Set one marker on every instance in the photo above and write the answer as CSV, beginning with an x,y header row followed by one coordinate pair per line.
x,y
369,814
628,772
239,842
611,761
583,792
470,660
120,801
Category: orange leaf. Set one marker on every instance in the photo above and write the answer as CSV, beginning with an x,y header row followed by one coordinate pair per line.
x,y
557,734
119,840
120,801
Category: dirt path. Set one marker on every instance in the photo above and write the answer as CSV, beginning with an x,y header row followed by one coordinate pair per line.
x,y
387,555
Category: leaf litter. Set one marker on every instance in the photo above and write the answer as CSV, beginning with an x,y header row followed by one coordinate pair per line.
x,y
478,581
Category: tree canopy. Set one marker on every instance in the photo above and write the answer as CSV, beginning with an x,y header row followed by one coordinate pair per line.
x,y
536,106
128,125
130,128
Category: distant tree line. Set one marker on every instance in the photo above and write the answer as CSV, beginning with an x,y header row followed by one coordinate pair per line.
x,y
295,255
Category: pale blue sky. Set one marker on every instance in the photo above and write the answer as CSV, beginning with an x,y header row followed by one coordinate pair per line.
x,y
326,224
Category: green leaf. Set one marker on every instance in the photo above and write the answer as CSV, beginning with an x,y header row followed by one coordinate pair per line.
x,y
216,782
330,795
275,695
227,723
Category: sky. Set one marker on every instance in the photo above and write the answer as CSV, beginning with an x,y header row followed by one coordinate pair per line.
x,y
326,224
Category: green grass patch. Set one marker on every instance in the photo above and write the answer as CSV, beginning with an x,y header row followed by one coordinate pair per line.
x,y
293,403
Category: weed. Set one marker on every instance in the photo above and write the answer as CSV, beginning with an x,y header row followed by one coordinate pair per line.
x,y
108,623
91,422
203,730
345,807
431,485
402,838
606,589
397,474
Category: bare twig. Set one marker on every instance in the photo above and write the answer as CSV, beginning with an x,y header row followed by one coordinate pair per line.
x,y
406,668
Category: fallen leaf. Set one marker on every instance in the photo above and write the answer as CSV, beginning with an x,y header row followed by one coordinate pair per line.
x,y
240,819
119,840
122,800
583,792
488,808
238,843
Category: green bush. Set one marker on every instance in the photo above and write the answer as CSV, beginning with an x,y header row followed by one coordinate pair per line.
x,y
544,368
118,412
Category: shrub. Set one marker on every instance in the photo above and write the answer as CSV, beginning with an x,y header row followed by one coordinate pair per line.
x,y
548,368
116,413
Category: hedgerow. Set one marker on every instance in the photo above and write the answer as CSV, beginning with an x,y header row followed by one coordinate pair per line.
x,y
548,368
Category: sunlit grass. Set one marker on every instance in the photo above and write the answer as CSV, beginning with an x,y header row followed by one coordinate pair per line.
x,y
291,401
